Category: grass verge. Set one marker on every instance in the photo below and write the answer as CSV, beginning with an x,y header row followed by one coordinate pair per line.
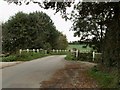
x,y
24,56
104,79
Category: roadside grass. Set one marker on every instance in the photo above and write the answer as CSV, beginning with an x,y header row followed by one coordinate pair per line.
x,y
24,56
104,79
27,56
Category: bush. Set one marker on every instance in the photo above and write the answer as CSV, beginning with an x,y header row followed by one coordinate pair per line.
x,y
85,56
104,79
9,58
70,56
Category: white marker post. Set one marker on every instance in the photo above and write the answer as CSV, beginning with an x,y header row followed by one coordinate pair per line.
x,y
33,50
76,53
27,50
57,51
20,51
45,51
37,50
93,55
53,51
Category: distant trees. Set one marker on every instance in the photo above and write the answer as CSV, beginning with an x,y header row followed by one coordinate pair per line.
x,y
34,30
62,41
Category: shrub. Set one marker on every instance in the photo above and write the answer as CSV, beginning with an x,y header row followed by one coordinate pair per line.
x,y
104,79
9,58
85,56
70,56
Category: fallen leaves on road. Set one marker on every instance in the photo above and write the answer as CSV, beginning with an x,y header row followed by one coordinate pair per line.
x,y
74,75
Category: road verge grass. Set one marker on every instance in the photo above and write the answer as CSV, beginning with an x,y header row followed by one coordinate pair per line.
x,y
27,56
24,56
104,79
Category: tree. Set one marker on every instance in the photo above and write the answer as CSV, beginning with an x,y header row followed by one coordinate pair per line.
x,y
62,42
28,31
59,6
93,15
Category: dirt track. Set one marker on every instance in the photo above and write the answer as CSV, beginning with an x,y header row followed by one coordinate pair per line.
x,y
74,75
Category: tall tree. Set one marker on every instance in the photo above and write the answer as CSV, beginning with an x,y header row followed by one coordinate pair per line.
x,y
34,30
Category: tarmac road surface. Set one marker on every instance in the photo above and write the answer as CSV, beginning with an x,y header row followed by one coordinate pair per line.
x,y
30,74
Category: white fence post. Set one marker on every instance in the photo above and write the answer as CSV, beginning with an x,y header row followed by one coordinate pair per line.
x,y
37,50
53,50
33,50
27,50
45,51
76,53
20,51
57,51
93,55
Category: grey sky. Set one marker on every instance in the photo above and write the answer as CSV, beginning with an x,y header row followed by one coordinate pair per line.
x,y
7,10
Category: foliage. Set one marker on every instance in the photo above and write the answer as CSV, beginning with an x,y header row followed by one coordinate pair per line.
x,y
31,31
25,56
59,6
70,56
85,57
104,79
99,20
62,42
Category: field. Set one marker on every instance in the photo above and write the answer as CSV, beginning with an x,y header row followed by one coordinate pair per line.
x,y
80,47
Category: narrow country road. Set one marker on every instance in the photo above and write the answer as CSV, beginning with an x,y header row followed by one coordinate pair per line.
x,y
31,74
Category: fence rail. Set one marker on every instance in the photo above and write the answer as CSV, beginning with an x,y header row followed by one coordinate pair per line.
x,y
76,52
38,50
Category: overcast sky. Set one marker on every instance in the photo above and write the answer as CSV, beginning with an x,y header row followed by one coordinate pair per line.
x,y
7,10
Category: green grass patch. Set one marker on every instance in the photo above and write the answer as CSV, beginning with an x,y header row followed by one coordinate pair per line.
x,y
104,79
27,56
24,56
81,47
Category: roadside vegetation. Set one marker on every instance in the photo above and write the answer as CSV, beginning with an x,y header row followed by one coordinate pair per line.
x,y
104,78
27,56
24,56
31,31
